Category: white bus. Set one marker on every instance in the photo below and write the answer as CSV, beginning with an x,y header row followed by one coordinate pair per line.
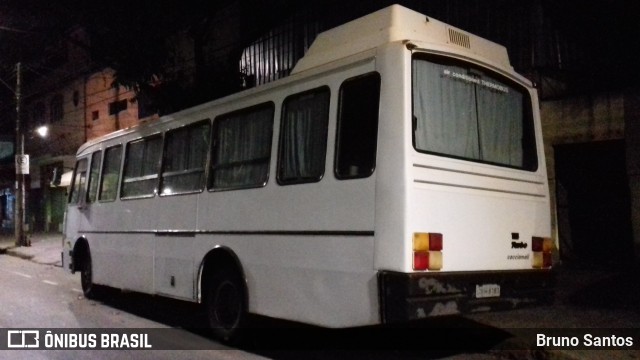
x,y
397,173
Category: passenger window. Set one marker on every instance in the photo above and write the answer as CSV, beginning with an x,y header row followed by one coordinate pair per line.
x,y
357,135
79,181
110,174
94,173
185,157
242,148
303,137
142,159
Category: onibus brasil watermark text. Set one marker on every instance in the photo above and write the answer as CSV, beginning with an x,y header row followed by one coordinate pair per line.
x,y
82,339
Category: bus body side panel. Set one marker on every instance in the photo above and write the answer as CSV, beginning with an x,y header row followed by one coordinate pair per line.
x,y
306,249
307,255
391,187
123,257
175,218
303,278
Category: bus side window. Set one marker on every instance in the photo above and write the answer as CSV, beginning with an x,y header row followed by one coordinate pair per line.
x,y
141,165
242,148
303,137
357,136
110,174
79,181
185,157
94,173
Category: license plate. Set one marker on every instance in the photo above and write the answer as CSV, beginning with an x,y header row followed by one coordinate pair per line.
x,y
487,290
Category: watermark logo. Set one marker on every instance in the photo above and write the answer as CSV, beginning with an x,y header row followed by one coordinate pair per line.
x,y
23,339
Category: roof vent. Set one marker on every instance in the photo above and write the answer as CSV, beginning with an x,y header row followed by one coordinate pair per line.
x,y
458,38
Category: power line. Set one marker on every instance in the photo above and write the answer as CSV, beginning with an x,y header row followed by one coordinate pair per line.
x,y
7,86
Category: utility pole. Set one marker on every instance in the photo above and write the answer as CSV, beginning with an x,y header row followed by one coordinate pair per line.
x,y
22,169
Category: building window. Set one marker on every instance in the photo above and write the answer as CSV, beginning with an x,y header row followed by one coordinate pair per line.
x,y
56,111
117,106
146,107
303,137
95,115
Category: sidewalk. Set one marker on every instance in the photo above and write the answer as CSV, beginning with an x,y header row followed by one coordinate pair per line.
x,y
585,298
46,248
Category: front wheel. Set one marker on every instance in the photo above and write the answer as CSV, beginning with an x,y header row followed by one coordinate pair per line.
x,y
89,289
226,305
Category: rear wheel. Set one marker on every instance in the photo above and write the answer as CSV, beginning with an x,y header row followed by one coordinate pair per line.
x,y
226,305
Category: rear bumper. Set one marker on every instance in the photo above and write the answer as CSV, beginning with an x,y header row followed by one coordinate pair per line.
x,y
411,296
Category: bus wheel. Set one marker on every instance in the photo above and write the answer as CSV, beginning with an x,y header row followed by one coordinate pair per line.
x,y
226,305
90,290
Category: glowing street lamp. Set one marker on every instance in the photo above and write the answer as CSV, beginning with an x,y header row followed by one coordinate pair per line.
x,y
42,131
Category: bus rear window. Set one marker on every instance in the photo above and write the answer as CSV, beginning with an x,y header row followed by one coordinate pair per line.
x,y
463,111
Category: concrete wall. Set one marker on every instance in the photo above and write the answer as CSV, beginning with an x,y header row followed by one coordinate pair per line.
x,y
632,140
100,94
608,116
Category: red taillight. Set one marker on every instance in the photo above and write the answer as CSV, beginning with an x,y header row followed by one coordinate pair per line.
x,y
420,260
435,242
541,248
427,249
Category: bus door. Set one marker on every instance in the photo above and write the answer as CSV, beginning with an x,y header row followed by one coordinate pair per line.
x,y
75,208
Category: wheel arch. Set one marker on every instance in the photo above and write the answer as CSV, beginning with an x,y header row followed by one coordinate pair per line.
x,y
217,258
79,254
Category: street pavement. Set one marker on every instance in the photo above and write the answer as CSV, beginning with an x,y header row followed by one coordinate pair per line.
x,y
606,302
46,248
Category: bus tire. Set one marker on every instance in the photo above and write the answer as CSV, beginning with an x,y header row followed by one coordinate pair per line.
x,y
226,305
89,289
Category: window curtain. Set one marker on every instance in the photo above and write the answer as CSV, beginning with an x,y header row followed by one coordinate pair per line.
x,y
243,149
466,114
303,147
141,171
185,158
445,111
110,174
500,135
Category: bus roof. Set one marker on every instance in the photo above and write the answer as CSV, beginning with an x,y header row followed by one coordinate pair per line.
x,y
391,24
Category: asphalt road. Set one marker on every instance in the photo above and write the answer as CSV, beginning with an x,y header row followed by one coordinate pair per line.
x,y
45,297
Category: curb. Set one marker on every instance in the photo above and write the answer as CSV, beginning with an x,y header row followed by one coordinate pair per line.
x,y
13,252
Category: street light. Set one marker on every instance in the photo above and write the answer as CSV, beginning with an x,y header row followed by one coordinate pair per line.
x,y
42,131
